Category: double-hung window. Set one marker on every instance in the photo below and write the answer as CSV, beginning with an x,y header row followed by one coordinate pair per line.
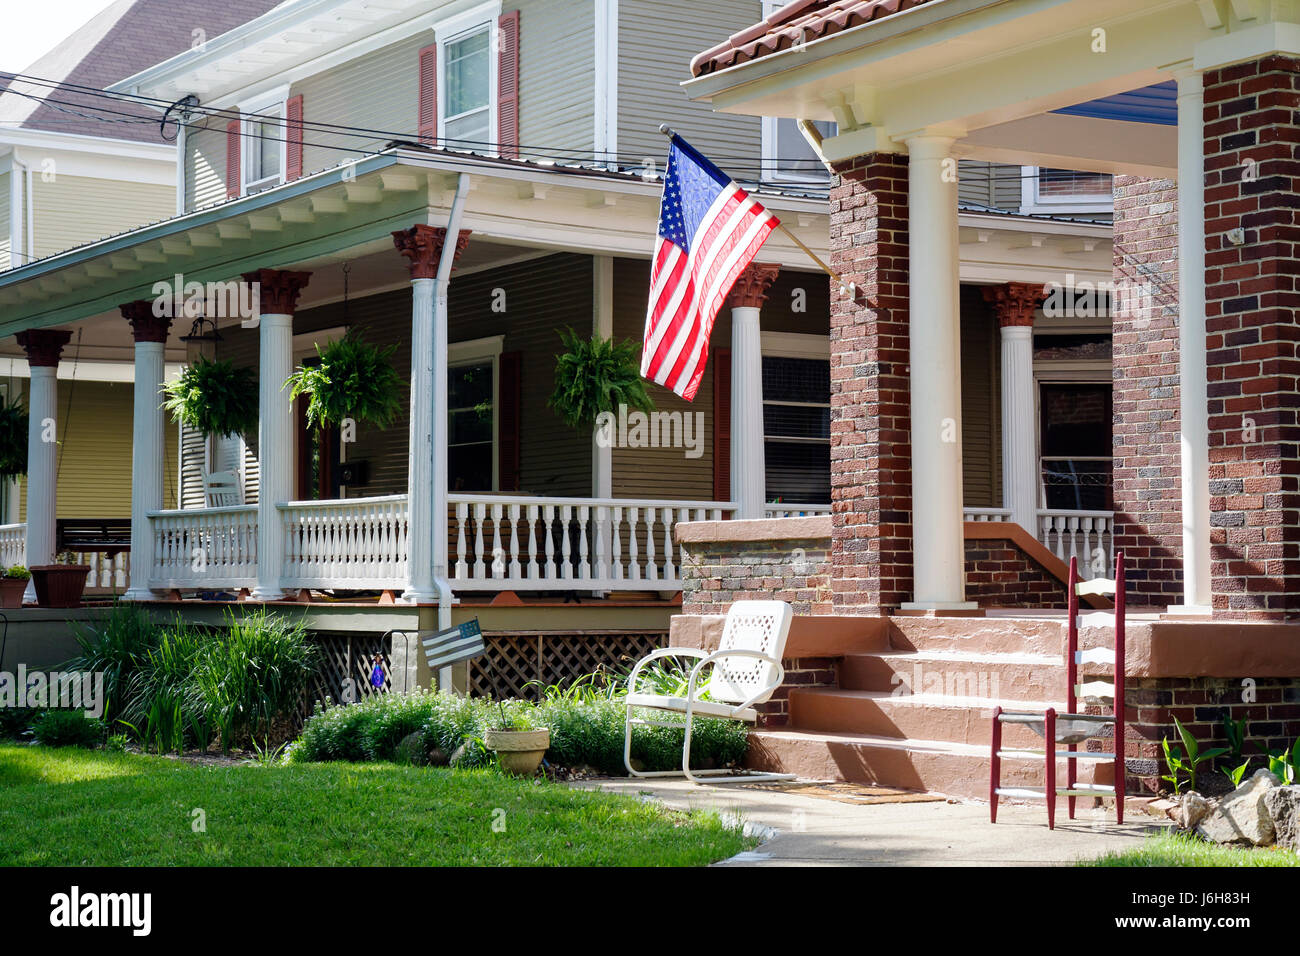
x,y
467,82
265,142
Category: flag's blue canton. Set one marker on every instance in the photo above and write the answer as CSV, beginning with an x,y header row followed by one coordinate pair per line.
x,y
691,185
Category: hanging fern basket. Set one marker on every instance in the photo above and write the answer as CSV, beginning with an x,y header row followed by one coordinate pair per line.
x,y
214,397
597,375
13,439
352,380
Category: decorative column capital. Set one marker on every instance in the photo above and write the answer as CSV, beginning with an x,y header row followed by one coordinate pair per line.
x,y
1014,302
422,245
43,346
277,289
750,289
146,326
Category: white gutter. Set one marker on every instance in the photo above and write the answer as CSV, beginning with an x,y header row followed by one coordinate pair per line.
x,y
439,471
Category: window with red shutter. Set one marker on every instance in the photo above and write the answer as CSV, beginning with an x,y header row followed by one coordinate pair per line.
x,y
233,172
293,135
508,85
428,103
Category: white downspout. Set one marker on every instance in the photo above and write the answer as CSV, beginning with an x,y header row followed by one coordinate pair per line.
x,y
17,177
439,471
181,159
31,217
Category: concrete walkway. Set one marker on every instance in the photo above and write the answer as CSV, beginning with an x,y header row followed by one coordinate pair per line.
x,y
815,831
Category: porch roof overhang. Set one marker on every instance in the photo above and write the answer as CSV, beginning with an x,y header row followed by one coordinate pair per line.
x,y
349,212
995,73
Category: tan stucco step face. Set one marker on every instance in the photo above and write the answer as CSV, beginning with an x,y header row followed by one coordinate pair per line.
x,y
979,634
1007,675
962,720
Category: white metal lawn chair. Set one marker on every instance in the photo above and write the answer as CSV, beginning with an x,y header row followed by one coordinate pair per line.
x,y
743,672
221,489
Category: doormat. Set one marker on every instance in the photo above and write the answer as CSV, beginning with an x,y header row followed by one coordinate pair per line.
x,y
861,794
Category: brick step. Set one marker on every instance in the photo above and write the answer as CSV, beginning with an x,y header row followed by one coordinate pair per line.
x,y
985,635
953,769
961,720
955,673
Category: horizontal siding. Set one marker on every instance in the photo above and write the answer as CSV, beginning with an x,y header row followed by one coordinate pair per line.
x,y
5,236
378,91
73,210
205,170
557,75
94,469
989,184
656,41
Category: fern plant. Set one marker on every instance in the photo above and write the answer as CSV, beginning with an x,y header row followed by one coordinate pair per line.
x,y
13,439
214,397
597,375
353,379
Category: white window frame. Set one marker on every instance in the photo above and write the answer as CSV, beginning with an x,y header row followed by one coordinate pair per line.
x,y
800,345
274,99
478,352
458,27
1031,203
770,171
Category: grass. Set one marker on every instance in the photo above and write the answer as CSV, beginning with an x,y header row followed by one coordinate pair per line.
x,y
75,807
1180,849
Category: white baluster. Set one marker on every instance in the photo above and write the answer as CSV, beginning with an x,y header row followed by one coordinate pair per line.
x,y
566,516
634,559
602,568
616,542
670,572
584,556
480,509
462,513
532,543
514,542
651,564
498,553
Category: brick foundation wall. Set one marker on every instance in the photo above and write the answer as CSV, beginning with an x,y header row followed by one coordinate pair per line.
x,y
1146,439
1272,720
719,572
801,672
999,574
871,478
1252,130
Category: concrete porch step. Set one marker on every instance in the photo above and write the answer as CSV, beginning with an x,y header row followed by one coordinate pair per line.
x,y
984,635
955,672
960,720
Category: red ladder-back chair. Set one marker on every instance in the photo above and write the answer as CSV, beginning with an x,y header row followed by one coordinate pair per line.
x,y
1073,728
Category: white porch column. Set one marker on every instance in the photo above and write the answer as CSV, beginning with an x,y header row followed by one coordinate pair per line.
x,y
1014,304
147,429
43,347
427,472
934,334
748,464
1193,404
278,296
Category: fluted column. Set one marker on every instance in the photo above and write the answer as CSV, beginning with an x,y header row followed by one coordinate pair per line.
x,y
422,245
1014,305
147,430
43,348
748,464
278,293
934,326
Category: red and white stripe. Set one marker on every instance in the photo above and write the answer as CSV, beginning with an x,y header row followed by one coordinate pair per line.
x,y
686,292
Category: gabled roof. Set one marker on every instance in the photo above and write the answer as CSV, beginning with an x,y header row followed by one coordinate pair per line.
x,y
798,22
123,39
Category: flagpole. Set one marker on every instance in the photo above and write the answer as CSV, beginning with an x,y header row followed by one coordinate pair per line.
x,y
846,287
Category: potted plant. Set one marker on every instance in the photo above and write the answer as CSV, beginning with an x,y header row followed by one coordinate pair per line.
x,y
13,584
214,397
597,375
60,584
519,749
351,379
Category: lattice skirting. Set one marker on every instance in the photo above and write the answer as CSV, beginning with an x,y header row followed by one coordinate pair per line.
x,y
514,658
345,657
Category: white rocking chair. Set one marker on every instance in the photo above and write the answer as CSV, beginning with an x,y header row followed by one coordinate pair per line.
x,y
746,671
221,489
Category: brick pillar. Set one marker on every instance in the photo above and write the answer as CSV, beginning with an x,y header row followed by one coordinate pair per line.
x,y
1146,439
1252,190
871,479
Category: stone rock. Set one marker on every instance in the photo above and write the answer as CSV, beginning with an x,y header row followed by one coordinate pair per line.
x,y
1283,805
411,749
1189,810
437,757
1242,817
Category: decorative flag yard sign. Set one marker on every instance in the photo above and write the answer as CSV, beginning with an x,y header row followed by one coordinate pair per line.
x,y
709,231
460,643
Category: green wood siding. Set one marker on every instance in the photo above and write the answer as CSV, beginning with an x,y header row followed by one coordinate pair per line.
x,y
73,210
989,184
5,237
556,75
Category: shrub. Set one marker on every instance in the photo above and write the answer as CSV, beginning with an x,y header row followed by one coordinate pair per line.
x,y
117,647
250,674
68,728
15,722
163,706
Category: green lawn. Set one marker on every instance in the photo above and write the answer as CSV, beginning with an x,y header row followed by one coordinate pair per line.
x,y
1175,849
79,807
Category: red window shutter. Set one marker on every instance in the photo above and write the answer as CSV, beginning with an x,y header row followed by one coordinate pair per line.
x,y
508,85
293,137
509,414
428,106
722,424
232,159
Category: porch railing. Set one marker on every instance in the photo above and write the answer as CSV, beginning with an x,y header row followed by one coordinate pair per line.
x,y
986,514
13,544
789,510
110,566
1087,535
204,548
350,543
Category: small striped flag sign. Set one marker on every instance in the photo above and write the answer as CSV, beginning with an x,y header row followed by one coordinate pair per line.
x,y
458,643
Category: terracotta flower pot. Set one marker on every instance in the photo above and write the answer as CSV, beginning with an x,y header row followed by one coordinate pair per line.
x,y
59,585
520,751
11,592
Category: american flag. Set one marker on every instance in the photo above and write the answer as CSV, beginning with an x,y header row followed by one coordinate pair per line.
x,y
709,230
